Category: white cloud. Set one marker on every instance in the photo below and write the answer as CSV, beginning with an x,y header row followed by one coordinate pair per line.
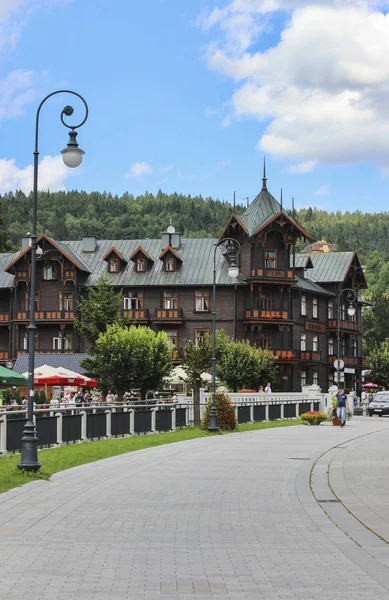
x,y
139,169
324,190
16,91
304,167
322,89
52,175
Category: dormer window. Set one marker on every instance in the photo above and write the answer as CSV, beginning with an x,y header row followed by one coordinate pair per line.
x,y
49,272
140,265
170,264
113,265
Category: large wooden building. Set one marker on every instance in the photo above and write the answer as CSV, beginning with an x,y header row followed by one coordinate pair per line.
x,y
283,301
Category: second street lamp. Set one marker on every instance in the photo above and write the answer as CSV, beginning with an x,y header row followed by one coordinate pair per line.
x,y
232,251
351,309
72,157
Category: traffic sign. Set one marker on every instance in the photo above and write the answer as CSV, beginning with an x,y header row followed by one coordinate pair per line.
x,y
338,364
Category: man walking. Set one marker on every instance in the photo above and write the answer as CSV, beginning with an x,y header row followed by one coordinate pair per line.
x,y
342,407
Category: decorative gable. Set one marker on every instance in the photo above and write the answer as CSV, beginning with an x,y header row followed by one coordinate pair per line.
x,y
171,259
142,260
115,260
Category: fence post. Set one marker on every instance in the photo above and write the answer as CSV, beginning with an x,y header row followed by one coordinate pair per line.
x,y
59,416
252,412
83,425
108,423
153,419
266,411
282,410
3,435
132,421
174,417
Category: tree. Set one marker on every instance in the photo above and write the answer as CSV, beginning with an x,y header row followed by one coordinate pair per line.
x,y
375,321
243,366
99,309
5,244
130,357
379,363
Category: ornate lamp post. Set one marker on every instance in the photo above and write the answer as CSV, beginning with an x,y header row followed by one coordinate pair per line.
x,y
72,157
232,250
351,298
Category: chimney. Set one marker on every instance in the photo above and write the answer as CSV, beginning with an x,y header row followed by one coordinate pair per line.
x,y
26,240
89,243
171,238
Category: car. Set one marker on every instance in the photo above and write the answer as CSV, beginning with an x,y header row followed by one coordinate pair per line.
x,y
379,405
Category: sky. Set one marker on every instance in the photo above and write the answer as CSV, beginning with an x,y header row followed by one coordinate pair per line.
x,y
189,96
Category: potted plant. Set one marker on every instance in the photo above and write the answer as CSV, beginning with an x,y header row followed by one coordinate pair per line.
x,y
332,412
313,417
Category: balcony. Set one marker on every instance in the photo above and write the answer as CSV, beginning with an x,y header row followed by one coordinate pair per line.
x,y
348,325
43,315
355,361
137,314
284,355
311,356
3,355
168,315
266,315
275,274
4,318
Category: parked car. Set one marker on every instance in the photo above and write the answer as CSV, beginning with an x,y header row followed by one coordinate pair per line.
x,y
379,405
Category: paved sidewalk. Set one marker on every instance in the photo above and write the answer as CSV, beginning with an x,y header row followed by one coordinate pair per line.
x,y
226,518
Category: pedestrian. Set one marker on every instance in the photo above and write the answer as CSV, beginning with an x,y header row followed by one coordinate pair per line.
x,y
109,397
268,389
342,407
260,391
150,397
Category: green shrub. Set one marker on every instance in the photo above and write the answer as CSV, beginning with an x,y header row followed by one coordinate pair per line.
x,y
226,416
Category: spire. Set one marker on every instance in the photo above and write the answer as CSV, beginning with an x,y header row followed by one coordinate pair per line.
x,y
281,198
264,175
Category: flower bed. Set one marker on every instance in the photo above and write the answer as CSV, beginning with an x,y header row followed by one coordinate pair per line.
x,y
313,417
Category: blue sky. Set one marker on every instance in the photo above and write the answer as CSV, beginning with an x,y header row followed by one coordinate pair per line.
x,y
188,96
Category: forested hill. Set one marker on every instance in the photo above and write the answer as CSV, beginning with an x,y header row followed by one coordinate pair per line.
x,y
70,215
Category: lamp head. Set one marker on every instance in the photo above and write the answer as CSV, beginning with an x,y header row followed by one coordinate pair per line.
x,y
233,270
351,310
72,154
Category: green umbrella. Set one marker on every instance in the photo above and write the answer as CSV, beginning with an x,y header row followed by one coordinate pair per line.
x,y
8,377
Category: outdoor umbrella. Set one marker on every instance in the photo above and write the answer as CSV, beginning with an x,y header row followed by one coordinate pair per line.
x,y
8,377
88,381
46,375
370,385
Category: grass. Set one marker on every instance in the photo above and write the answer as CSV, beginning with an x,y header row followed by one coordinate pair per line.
x,y
59,459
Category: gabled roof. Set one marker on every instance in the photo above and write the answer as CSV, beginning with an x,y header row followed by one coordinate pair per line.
x,y
330,267
114,250
172,251
302,261
311,286
140,250
68,252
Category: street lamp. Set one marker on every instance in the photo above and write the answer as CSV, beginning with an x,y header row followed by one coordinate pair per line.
x,y
351,298
72,157
232,250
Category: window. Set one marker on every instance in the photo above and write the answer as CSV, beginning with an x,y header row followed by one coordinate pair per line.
x,y
68,340
49,272
113,265
315,308
330,346
315,343
270,259
303,341
266,340
304,306
353,347
170,299
266,301
57,343
342,312
140,265
170,264
134,301
199,335
65,300
330,307
343,346
26,301
172,338
25,340
315,377
303,378
202,300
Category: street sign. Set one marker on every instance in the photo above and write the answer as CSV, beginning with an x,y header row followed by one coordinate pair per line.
x,y
338,364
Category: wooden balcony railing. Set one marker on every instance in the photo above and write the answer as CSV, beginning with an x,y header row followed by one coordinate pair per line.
x,y
272,273
137,314
266,314
310,355
4,318
284,355
45,315
168,314
351,325
3,355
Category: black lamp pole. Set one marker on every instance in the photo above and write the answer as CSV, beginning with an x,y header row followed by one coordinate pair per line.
x,y
232,250
72,157
351,297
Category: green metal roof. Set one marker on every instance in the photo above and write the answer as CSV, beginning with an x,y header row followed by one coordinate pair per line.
x,y
311,286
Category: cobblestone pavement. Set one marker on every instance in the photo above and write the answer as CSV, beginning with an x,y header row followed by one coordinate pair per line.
x,y
233,517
